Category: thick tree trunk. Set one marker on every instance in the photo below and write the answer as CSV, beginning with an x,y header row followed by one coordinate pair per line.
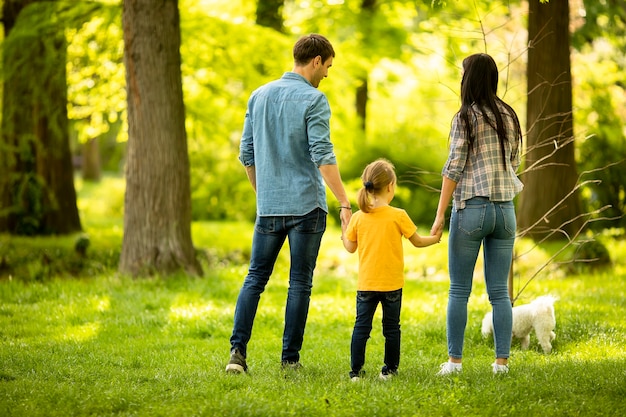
x,y
37,194
157,212
550,143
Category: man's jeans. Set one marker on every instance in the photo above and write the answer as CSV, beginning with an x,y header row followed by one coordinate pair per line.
x,y
305,235
366,304
493,225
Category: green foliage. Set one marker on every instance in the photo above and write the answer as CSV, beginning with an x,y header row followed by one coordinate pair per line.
x,y
599,91
603,21
602,154
594,253
34,120
43,21
39,259
96,82
80,255
220,68
29,194
409,53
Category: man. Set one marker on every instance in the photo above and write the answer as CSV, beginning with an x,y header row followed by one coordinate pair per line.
x,y
286,150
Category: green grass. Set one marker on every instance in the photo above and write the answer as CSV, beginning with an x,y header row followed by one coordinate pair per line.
x,y
98,343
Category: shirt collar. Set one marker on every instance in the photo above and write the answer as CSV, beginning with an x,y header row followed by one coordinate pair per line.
x,y
290,75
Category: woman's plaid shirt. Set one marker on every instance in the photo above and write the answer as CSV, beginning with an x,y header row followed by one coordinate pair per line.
x,y
482,174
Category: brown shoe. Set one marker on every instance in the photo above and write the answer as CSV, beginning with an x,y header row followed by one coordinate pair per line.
x,y
237,363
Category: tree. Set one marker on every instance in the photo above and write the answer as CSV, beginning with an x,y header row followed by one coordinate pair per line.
x,y
269,14
37,194
601,93
550,200
157,212
368,9
96,93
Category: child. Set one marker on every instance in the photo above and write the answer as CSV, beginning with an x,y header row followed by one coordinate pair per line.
x,y
377,230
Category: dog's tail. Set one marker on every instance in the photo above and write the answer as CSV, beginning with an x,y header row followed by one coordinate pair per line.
x,y
487,328
545,303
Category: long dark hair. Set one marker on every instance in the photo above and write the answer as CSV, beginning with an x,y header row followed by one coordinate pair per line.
x,y
478,87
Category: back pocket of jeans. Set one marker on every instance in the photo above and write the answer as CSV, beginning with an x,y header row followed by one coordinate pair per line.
x,y
510,221
313,222
471,218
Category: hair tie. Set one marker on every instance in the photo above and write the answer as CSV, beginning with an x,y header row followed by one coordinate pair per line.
x,y
369,186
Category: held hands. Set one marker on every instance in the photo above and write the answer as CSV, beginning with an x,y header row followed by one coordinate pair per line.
x,y
438,234
345,213
438,225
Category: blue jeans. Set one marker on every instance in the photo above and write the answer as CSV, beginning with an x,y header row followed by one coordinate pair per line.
x,y
493,225
305,235
366,304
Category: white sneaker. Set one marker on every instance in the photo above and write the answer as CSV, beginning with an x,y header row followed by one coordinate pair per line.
x,y
499,369
448,368
385,377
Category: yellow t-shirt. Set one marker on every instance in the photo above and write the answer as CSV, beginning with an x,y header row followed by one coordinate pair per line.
x,y
379,238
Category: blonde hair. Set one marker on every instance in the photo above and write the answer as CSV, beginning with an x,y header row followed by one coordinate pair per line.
x,y
376,176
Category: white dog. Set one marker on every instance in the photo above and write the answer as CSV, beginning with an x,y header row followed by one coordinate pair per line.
x,y
538,315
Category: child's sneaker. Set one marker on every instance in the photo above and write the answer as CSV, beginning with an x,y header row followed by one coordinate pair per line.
x,y
291,366
356,376
448,368
386,374
499,369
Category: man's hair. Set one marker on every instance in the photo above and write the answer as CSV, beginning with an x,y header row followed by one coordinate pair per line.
x,y
310,46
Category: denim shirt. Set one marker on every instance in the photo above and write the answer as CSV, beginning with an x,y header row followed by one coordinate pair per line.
x,y
286,137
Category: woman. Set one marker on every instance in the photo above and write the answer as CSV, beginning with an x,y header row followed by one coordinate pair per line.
x,y
485,141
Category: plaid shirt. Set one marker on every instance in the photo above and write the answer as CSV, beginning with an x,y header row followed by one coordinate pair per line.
x,y
482,174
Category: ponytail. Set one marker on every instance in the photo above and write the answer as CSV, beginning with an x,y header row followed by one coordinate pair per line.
x,y
376,176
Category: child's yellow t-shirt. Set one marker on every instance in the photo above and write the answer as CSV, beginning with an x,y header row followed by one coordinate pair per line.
x,y
379,238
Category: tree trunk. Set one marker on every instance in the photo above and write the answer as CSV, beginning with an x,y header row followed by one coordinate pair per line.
x,y
368,11
157,212
269,13
37,194
91,166
543,205
362,95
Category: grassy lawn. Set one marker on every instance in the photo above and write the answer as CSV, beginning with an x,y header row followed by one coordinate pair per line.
x,y
100,344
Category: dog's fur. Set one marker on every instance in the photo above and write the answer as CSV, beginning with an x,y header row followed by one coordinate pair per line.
x,y
538,315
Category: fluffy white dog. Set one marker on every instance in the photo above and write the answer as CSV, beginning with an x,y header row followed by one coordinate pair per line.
x,y
538,315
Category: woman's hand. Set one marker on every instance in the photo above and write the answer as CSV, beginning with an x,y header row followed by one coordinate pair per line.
x,y
438,225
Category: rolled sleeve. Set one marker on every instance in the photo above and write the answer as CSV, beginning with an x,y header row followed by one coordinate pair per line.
x,y
457,158
246,146
516,159
318,132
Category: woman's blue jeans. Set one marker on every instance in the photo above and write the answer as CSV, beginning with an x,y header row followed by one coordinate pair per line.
x,y
305,235
493,225
366,304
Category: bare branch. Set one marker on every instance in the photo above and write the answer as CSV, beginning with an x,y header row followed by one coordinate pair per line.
x,y
545,216
567,245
